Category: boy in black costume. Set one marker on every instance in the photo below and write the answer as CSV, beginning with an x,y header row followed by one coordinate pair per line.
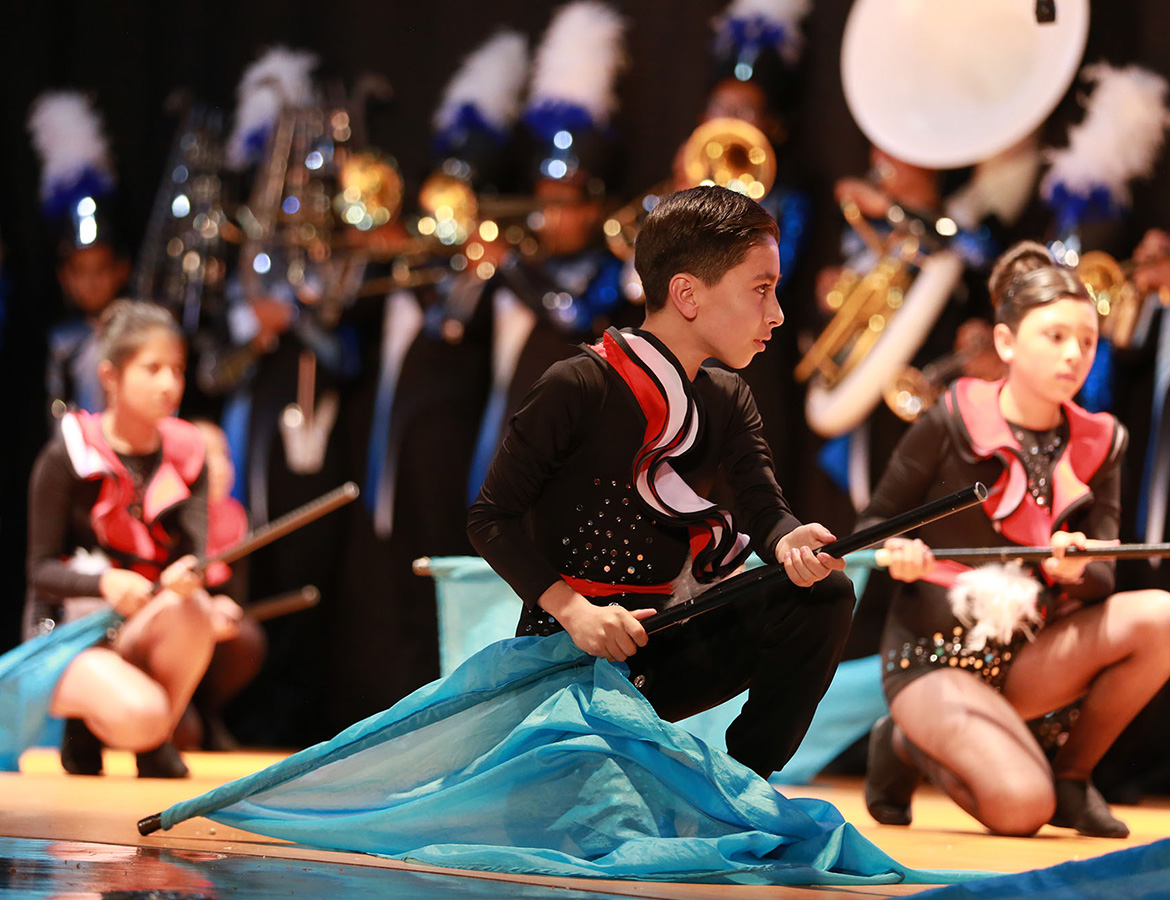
x,y
595,508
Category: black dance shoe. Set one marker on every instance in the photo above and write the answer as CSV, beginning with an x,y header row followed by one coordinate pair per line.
x,y
889,782
1079,805
163,761
81,749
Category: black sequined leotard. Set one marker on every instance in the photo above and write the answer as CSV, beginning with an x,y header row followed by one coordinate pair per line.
x,y
939,455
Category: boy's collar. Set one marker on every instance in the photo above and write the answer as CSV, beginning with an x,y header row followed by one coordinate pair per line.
x,y
662,348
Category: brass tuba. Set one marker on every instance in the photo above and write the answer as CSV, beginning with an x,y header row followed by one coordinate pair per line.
x,y
882,317
941,85
728,152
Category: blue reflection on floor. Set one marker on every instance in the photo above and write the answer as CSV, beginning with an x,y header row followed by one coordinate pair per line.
x,y
35,869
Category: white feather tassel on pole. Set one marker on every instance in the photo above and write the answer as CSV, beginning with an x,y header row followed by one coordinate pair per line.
x,y
67,135
279,78
994,602
1120,137
490,79
579,58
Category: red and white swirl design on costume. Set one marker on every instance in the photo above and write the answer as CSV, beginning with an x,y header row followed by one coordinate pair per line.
x,y
673,424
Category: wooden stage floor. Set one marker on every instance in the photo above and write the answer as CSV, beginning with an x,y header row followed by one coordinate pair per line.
x,y
67,837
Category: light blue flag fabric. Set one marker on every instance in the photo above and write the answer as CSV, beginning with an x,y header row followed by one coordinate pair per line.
x,y
476,608
533,757
1136,873
29,674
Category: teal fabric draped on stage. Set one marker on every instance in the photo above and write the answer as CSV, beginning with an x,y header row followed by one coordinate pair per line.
x,y
532,757
29,674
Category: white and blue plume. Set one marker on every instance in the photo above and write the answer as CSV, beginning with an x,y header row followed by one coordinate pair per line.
x,y
575,70
75,158
748,27
281,78
1119,139
484,94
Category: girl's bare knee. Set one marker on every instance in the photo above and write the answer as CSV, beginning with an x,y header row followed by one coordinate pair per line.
x,y
1017,806
1148,614
140,721
191,614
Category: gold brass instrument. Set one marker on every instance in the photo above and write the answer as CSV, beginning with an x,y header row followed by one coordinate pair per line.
x,y
1111,286
457,232
914,390
731,153
881,319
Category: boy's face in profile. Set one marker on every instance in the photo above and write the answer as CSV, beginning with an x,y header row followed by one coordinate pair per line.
x,y
92,276
736,315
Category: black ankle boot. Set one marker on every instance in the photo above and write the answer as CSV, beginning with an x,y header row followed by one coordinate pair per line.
x,y
1079,805
81,750
163,761
889,782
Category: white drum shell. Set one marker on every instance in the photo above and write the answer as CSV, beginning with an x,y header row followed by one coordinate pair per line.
x,y
949,83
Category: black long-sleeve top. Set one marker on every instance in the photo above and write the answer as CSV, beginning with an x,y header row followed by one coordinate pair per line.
x,y
59,522
558,497
930,462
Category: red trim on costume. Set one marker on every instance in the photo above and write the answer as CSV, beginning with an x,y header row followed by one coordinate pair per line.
x,y
1010,505
587,588
116,530
672,427
227,526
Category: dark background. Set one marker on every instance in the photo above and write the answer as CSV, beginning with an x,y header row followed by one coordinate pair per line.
x,y
131,55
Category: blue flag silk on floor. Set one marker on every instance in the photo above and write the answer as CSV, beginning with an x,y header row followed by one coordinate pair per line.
x,y
532,757
29,674
1137,873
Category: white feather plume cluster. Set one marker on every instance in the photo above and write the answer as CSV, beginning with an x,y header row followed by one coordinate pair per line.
x,y
88,562
786,14
67,135
491,79
578,59
1120,137
281,77
994,602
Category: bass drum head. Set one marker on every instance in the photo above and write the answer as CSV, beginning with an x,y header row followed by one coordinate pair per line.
x,y
949,83
834,411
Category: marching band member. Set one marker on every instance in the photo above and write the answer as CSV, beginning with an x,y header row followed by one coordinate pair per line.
x,y
77,193
542,308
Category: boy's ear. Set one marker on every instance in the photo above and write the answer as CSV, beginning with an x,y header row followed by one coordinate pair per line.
x,y
681,292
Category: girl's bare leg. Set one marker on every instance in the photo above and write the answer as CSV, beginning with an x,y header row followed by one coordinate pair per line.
x,y
121,704
172,640
973,745
1115,654
131,695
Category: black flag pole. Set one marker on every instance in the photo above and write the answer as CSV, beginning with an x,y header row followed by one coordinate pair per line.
x,y
1036,554
738,585
286,524
278,528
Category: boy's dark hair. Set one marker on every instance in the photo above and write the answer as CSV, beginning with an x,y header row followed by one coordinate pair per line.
x,y
125,326
703,231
